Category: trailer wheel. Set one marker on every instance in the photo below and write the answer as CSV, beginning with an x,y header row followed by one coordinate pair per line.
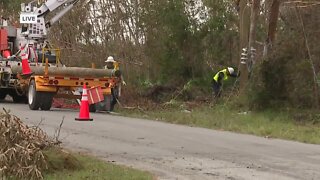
x,y
34,97
46,100
92,108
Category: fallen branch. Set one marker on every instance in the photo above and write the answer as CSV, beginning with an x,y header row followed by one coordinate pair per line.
x,y
21,148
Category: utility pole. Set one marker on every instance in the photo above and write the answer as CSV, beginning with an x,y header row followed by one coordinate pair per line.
x,y
248,26
255,9
244,39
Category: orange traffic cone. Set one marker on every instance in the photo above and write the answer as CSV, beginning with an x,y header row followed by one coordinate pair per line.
x,y
25,65
84,108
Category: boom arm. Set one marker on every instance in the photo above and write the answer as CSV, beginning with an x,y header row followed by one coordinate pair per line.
x,y
37,29
51,5
61,13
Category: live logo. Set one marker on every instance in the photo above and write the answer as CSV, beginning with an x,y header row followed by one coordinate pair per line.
x,y
28,18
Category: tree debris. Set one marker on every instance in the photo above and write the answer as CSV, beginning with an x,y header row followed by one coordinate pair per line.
x,y
21,148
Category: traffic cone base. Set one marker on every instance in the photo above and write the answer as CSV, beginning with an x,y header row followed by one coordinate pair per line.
x,y
81,119
84,108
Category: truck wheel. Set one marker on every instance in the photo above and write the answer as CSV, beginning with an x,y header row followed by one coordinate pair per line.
x,y
92,108
34,97
3,94
46,100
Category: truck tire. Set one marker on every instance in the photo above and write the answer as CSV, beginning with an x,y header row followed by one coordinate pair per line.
x,y
34,97
46,100
3,94
92,108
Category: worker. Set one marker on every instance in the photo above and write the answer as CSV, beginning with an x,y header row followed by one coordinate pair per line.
x,y
112,64
222,75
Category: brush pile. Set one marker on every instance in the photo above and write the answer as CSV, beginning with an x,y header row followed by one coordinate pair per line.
x,y
21,149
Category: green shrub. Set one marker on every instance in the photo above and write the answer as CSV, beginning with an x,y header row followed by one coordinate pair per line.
x,y
284,79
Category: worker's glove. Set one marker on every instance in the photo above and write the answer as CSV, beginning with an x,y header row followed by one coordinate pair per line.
x,y
124,83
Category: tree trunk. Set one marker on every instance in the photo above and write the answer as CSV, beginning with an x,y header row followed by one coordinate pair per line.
x,y
272,29
68,71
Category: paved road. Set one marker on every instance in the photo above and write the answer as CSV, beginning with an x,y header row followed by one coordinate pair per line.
x,y
178,152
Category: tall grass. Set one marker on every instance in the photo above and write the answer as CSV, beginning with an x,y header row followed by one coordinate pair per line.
x,y
271,124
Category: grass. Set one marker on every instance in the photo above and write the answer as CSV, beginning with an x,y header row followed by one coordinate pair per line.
x,y
272,124
66,166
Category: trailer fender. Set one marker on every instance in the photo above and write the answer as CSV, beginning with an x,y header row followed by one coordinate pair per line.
x,y
40,81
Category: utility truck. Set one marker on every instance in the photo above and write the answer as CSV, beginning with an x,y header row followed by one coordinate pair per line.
x,y
48,77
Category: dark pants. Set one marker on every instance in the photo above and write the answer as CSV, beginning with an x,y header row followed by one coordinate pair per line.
x,y
105,104
114,97
216,87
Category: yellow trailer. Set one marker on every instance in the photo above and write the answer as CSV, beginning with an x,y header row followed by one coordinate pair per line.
x,y
48,82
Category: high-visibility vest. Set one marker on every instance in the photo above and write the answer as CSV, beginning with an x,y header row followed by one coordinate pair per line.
x,y
115,66
225,76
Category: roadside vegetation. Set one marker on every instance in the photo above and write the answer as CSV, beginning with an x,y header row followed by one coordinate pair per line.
x,y
291,124
77,166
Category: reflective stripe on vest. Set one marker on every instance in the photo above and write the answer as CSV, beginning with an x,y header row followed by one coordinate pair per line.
x,y
225,76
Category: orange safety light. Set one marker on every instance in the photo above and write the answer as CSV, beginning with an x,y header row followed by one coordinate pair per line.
x,y
6,53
